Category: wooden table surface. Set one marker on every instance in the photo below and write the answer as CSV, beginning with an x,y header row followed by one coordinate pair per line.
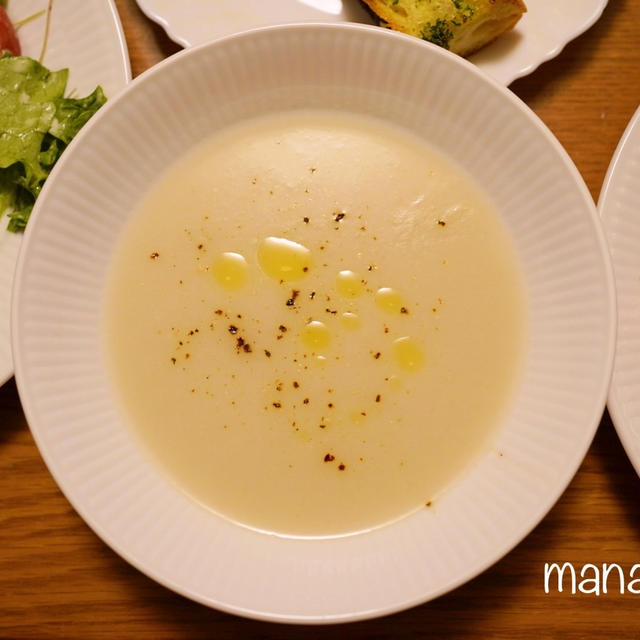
x,y
58,580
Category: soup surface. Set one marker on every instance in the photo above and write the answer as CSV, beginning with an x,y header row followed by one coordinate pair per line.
x,y
315,323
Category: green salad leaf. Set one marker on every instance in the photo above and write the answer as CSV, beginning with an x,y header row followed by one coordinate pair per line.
x,y
37,122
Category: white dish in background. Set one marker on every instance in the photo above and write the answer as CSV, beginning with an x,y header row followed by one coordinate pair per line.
x,y
86,37
619,206
540,35
81,431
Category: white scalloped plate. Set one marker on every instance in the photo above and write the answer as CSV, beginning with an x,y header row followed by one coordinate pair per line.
x,y
619,206
540,35
86,37
60,361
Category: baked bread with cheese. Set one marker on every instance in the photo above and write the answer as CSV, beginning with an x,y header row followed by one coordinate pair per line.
x,y
462,26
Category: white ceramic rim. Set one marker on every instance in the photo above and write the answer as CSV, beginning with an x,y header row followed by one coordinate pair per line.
x,y
619,202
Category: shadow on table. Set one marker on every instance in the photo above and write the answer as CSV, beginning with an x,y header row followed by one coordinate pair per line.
x,y
11,415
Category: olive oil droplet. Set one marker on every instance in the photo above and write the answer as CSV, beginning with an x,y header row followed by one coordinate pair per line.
x,y
315,336
389,300
283,260
320,362
231,270
349,284
350,321
407,354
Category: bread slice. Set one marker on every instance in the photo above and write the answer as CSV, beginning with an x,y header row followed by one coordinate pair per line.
x,y
462,26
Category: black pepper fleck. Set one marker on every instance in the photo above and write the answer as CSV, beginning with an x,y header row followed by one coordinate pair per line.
x,y
292,300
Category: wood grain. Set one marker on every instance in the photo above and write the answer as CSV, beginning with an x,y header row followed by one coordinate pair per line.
x,y
58,580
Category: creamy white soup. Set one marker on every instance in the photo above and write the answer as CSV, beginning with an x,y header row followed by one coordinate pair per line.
x,y
315,323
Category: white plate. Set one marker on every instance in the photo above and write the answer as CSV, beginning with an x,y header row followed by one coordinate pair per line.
x,y
86,37
619,206
58,339
540,35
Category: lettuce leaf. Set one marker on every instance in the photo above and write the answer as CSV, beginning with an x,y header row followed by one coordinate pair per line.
x,y
37,122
